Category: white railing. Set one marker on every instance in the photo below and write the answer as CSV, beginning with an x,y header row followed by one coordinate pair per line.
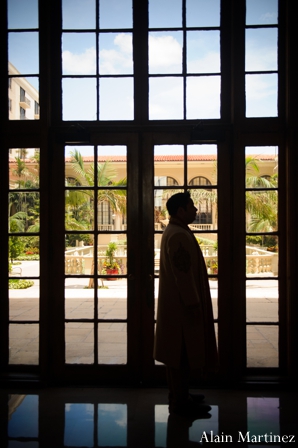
x,y
201,226
79,261
259,261
111,227
158,226
105,227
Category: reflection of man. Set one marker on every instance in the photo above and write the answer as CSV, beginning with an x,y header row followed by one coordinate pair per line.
x,y
185,338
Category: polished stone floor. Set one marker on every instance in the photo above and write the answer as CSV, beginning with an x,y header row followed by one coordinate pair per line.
x,y
139,418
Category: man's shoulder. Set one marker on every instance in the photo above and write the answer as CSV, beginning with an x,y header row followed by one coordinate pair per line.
x,y
176,233
173,229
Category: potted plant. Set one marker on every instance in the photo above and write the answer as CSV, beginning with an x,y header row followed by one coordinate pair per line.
x,y
110,265
214,267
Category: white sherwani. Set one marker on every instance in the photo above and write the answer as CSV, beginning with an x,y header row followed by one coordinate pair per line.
x,y
184,304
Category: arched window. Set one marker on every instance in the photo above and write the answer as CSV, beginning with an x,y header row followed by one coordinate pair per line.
x,y
165,181
204,213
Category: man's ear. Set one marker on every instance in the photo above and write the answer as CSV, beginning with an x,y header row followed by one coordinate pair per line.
x,y
180,212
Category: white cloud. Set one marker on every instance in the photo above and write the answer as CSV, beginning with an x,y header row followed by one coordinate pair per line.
x,y
210,63
117,60
261,95
269,17
260,59
165,52
79,64
165,98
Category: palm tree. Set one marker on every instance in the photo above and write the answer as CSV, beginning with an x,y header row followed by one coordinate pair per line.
x,y
261,205
104,173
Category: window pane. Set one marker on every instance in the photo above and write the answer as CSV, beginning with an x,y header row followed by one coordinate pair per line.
x,y
78,257
24,256
79,212
112,298
24,212
203,52
22,14
79,300
261,49
262,255
79,99
23,52
23,168
203,97
165,98
261,208
262,346
261,95
159,16
24,302
209,246
202,164
261,166
112,343
115,14
261,13
202,13
168,165
79,343
115,158
161,218
206,202
23,96
116,99
115,53
262,300
23,344
165,52
77,14
78,54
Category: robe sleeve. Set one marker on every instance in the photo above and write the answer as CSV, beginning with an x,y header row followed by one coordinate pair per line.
x,y
182,257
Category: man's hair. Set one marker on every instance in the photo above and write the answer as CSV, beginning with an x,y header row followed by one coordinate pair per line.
x,y
176,201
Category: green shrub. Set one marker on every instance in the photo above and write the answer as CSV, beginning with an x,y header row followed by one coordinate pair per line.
x,y
20,284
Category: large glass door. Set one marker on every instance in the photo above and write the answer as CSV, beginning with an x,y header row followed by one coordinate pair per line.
x,y
96,255
94,243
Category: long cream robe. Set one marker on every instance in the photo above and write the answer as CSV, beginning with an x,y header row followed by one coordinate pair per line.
x,y
184,302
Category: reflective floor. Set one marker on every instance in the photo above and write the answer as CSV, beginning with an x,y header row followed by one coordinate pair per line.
x,y
88,417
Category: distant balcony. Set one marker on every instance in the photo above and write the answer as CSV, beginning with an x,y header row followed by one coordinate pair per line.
x,y
25,103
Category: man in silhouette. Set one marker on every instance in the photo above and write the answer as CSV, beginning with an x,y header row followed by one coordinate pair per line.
x,y
185,337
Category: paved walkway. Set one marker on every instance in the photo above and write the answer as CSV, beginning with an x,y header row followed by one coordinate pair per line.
x,y
262,305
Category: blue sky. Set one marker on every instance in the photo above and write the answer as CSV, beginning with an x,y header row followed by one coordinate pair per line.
x,y
165,57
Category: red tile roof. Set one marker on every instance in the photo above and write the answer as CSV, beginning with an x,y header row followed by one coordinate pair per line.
x,y
157,158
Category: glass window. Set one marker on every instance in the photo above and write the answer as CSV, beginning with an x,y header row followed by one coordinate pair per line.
x,y
23,58
97,65
23,250
185,54
262,254
95,255
261,64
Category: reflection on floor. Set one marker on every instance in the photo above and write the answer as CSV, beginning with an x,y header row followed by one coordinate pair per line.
x,y
87,417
